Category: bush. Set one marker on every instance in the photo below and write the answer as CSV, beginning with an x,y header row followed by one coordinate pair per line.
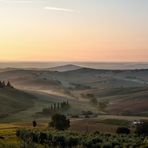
x,y
122,130
68,140
142,128
34,123
73,141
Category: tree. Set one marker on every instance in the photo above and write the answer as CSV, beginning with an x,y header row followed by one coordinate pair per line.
x,y
123,130
60,122
34,123
142,128
58,106
2,84
65,105
54,105
9,85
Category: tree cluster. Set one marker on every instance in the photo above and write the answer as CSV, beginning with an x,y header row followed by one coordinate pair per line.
x,y
56,107
4,84
142,128
59,122
123,130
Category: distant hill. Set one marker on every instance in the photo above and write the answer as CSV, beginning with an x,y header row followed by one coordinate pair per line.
x,y
45,79
124,101
64,68
125,91
13,101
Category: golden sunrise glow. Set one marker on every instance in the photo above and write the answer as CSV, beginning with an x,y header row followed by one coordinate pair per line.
x,y
85,31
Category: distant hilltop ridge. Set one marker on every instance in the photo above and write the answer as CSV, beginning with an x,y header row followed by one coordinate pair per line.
x,y
63,68
93,65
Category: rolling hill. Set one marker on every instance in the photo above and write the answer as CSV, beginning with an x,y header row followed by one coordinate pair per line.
x,y
125,91
129,102
84,76
13,101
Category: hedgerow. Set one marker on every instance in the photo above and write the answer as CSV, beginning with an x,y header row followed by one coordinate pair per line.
x,y
71,140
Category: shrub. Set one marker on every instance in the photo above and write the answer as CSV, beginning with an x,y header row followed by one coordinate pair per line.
x,y
142,128
34,123
67,139
122,130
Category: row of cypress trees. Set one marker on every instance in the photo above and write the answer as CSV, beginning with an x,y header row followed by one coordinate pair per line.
x,y
56,107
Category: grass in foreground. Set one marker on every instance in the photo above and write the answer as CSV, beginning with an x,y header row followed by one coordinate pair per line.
x,y
82,133
115,122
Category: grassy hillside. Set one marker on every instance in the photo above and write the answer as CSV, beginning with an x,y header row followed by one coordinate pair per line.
x,y
130,103
13,101
126,91
85,131
84,76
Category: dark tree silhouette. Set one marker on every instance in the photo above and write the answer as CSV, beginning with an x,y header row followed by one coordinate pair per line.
x,y
2,84
9,84
123,130
34,123
60,122
5,85
142,128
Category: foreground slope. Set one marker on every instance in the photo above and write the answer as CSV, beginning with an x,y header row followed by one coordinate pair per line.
x,y
13,101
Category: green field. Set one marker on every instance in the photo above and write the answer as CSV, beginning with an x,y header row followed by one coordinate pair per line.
x,y
94,133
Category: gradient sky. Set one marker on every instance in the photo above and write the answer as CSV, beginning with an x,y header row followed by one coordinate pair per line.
x,y
74,30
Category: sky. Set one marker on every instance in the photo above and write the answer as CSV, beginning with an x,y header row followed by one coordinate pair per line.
x,y
74,30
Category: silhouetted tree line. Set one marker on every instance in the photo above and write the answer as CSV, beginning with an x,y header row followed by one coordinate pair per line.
x,y
4,84
56,107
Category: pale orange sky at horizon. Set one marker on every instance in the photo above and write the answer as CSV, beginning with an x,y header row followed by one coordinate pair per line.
x,y
83,30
